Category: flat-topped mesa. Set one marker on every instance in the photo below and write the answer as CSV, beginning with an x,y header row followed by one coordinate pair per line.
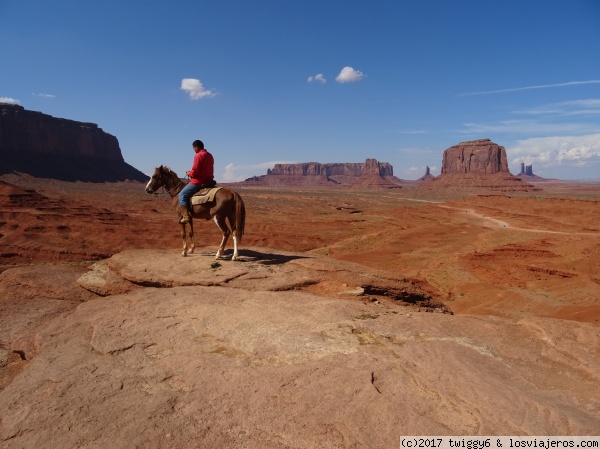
x,y
49,147
475,157
371,167
371,174
24,131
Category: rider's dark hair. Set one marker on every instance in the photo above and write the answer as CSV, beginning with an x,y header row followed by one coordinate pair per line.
x,y
198,144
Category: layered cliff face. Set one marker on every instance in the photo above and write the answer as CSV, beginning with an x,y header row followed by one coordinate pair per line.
x,y
478,164
371,167
475,157
44,146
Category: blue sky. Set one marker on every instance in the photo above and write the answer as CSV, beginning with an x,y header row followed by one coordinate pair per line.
x,y
269,81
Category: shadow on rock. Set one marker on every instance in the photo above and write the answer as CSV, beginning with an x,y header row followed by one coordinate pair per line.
x,y
269,258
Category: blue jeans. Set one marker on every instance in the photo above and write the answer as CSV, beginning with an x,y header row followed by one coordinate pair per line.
x,y
186,193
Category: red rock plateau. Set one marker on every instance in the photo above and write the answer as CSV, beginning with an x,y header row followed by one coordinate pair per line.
x,y
371,174
333,330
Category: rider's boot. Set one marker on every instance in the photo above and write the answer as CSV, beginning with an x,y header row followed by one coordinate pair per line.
x,y
184,213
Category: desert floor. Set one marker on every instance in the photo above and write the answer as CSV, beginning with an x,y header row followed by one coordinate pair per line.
x,y
506,254
519,271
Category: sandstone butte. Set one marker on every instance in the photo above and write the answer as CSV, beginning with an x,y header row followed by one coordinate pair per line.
x,y
478,164
475,157
353,317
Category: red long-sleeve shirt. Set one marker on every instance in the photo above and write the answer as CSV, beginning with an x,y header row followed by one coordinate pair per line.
x,y
202,168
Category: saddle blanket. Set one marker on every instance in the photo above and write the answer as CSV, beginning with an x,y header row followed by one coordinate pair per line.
x,y
205,196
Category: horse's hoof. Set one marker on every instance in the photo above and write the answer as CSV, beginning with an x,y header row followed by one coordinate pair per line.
x,y
184,254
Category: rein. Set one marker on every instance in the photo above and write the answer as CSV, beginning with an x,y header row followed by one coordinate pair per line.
x,y
171,190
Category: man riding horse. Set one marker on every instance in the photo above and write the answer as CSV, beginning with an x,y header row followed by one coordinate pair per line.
x,y
201,176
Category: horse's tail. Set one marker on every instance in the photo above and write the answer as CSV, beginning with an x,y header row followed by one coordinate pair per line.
x,y
240,216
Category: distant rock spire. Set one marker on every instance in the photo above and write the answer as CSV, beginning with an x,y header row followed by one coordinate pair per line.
x,y
526,170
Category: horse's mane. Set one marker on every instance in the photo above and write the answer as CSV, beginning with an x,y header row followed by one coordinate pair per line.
x,y
165,169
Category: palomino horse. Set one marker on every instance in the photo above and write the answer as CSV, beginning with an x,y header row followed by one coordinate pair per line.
x,y
228,205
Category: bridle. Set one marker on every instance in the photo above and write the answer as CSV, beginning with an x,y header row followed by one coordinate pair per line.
x,y
163,184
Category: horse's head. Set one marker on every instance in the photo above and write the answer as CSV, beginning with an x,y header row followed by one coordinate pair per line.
x,y
159,178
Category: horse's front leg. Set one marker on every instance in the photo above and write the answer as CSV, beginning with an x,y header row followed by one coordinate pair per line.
x,y
189,236
192,243
184,239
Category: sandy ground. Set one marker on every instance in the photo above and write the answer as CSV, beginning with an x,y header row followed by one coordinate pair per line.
x,y
527,254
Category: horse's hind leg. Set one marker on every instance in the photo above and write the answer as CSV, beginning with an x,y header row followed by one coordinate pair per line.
x,y
220,221
234,236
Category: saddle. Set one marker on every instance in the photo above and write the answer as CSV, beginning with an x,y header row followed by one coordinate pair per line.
x,y
205,196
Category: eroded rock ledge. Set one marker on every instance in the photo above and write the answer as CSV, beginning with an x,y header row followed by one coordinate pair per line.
x,y
259,269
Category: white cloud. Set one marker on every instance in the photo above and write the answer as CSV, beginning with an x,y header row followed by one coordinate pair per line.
x,y
229,174
414,170
526,126
349,75
590,106
576,151
44,95
195,89
9,100
542,86
237,173
545,119
318,77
